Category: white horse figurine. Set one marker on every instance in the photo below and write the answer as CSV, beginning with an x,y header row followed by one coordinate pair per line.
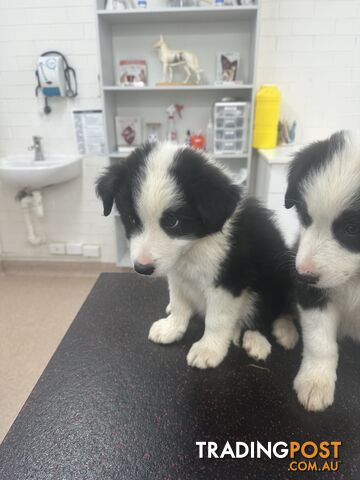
x,y
174,58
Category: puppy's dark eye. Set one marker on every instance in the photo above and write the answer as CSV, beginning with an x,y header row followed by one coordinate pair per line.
x,y
170,221
352,229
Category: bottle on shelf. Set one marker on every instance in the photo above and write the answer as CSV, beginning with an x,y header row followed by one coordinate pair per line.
x,y
267,110
210,136
171,130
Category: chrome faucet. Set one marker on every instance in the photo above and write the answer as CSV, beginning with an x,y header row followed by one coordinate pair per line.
x,y
37,147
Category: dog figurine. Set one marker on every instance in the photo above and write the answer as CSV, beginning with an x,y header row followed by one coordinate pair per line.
x,y
175,58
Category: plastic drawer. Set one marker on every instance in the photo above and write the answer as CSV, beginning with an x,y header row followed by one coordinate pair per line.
x,y
230,122
228,146
230,111
229,134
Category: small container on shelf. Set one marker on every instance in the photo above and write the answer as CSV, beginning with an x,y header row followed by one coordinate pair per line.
x,y
230,122
230,132
153,132
230,109
229,147
267,111
197,140
115,5
182,3
210,136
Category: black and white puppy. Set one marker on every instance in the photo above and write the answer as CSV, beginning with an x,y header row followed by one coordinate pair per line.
x,y
222,254
324,186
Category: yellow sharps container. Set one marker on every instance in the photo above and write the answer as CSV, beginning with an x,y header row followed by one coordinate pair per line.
x,y
267,109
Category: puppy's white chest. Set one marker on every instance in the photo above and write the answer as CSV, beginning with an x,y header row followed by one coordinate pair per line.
x,y
347,301
194,295
192,286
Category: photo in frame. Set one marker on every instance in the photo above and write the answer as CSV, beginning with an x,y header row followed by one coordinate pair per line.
x,y
227,67
128,131
132,73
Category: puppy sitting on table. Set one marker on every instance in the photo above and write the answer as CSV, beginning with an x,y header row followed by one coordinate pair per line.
x,y
324,187
224,258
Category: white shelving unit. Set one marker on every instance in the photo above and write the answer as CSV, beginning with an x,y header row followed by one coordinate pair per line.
x,y
130,34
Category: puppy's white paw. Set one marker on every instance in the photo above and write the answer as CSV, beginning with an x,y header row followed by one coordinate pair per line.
x,y
165,330
236,335
206,354
285,333
315,388
256,345
168,309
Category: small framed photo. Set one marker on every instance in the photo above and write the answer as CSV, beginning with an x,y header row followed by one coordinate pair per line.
x,y
132,73
152,132
128,132
227,67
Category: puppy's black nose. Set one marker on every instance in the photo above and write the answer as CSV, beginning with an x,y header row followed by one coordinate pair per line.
x,y
309,278
144,269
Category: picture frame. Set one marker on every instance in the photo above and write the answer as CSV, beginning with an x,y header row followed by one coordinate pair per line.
x,y
227,67
114,5
128,132
132,73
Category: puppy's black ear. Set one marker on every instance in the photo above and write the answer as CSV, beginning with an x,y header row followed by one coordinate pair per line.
x,y
310,159
216,201
290,196
294,177
207,188
109,184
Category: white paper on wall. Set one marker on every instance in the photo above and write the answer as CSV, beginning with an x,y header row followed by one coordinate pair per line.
x,y
89,131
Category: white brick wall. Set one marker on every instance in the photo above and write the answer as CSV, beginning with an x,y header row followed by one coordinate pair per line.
x,y
310,48
28,28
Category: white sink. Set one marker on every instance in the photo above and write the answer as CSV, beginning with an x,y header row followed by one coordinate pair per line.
x,y
22,171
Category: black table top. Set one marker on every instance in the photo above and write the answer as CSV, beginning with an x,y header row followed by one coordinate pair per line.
x,y
112,405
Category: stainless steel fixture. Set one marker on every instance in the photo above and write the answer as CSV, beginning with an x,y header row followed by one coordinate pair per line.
x,y
37,147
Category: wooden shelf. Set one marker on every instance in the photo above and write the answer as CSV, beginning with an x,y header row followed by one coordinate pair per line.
x,y
179,88
186,14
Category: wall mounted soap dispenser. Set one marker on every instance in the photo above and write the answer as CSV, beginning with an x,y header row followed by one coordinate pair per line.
x,y
55,78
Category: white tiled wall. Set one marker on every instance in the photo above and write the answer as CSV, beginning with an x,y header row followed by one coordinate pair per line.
x,y
310,48
72,212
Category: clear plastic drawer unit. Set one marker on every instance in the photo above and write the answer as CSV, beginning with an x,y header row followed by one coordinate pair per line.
x,y
231,121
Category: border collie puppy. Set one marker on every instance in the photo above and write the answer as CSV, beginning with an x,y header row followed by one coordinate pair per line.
x,y
222,254
324,186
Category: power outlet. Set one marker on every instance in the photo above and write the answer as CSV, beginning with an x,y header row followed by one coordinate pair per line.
x,y
57,248
74,249
92,251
